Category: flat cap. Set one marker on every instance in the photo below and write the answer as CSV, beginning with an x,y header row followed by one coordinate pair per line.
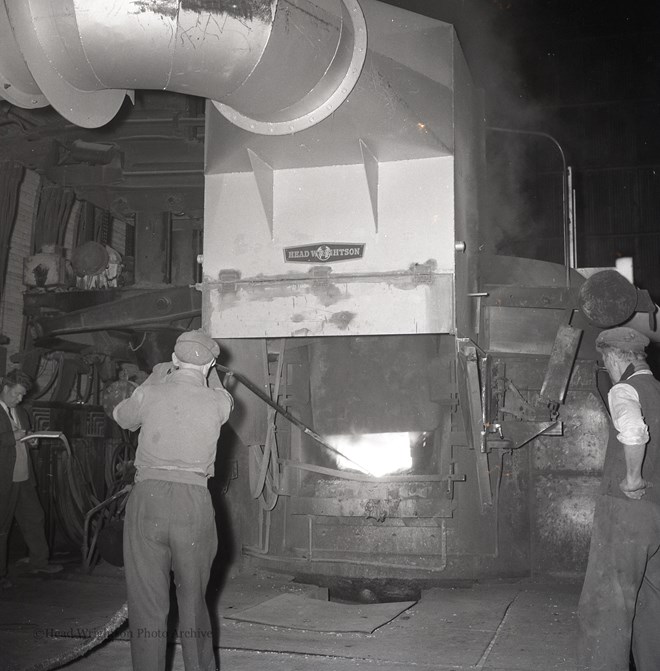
x,y
196,347
623,338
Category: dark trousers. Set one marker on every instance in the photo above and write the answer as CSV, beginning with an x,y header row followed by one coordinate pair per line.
x,y
620,601
21,502
169,526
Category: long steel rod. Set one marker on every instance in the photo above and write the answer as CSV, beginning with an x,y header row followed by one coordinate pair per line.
x,y
246,382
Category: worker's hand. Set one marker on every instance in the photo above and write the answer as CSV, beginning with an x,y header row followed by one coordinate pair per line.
x,y
634,489
19,433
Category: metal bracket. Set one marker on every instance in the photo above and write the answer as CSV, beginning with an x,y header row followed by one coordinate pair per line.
x,y
472,405
321,275
453,478
228,279
422,273
514,435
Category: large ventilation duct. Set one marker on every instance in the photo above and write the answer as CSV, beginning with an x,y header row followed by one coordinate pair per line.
x,y
270,66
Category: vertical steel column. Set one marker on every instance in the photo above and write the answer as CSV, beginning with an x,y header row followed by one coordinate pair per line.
x,y
470,396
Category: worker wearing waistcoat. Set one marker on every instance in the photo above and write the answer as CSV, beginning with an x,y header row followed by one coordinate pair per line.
x,y
619,609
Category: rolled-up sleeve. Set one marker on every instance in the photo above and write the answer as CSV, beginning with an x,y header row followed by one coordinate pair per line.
x,y
627,417
225,403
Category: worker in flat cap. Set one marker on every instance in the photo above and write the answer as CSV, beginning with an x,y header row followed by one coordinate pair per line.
x,y
170,524
619,609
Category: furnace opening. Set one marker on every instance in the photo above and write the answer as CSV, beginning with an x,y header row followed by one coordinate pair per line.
x,y
376,454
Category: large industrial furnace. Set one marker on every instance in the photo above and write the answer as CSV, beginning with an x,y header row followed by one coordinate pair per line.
x,y
341,269
450,423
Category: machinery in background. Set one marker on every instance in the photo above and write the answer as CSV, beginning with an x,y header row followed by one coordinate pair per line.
x,y
342,273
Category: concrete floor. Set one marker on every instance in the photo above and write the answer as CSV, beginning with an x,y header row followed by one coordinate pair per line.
x,y
491,626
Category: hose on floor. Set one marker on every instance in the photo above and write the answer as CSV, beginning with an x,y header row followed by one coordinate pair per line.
x,y
109,628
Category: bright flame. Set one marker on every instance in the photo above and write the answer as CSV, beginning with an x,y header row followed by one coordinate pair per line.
x,y
374,453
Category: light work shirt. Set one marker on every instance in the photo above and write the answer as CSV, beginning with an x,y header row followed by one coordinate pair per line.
x,y
21,468
179,418
626,412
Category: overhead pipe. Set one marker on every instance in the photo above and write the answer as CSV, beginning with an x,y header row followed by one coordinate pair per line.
x,y
270,66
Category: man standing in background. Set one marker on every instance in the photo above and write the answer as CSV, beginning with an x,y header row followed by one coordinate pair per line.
x,y
620,603
18,494
170,521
